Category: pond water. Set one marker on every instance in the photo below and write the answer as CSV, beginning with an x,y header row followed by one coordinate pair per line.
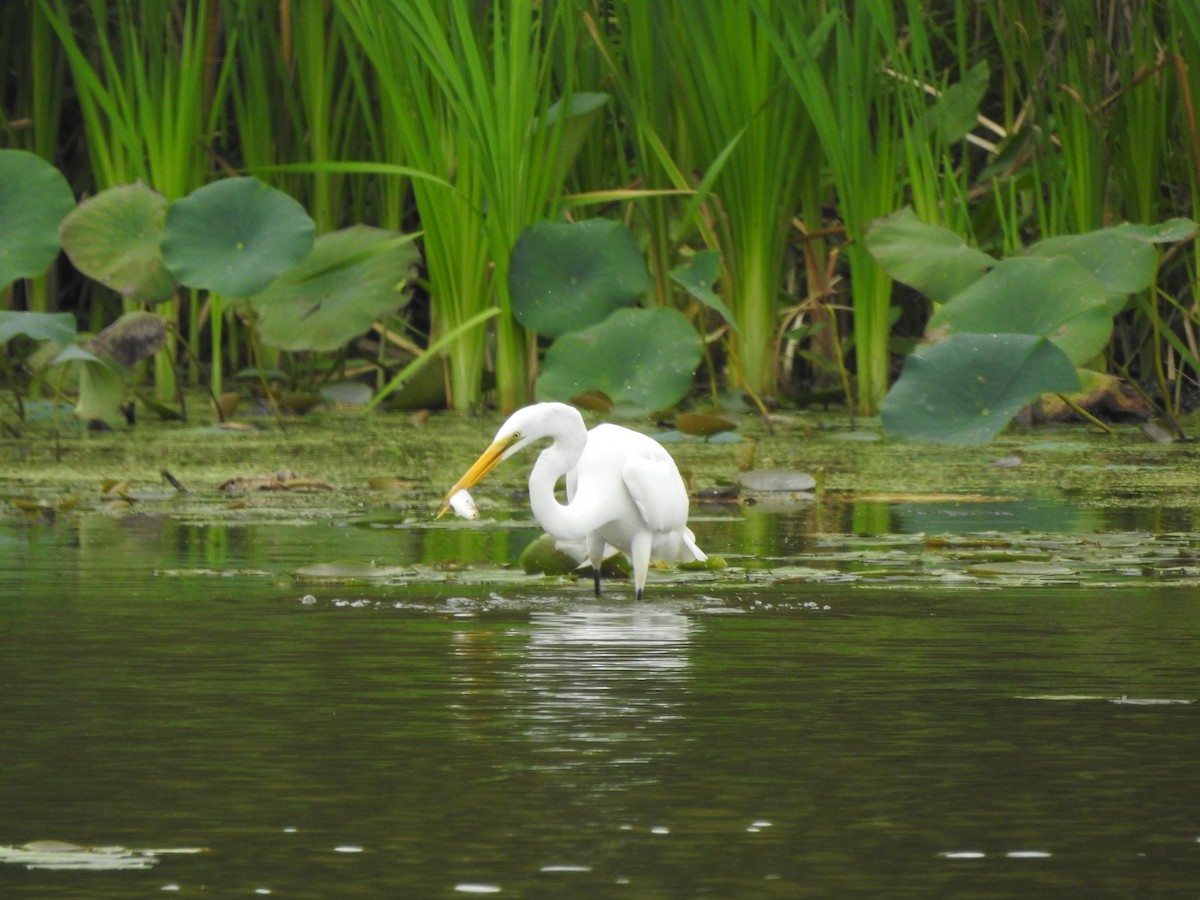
x,y
883,716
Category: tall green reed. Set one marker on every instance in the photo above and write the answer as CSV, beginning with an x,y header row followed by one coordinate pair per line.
x,y
149,101
834,64
735,106
474,83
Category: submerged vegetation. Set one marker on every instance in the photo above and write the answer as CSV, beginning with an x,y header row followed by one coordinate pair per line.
x,y
631,203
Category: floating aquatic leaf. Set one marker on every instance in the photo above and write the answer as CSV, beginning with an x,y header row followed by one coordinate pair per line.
x,y
347,393
546,555
1042,570
343,572
388,483
63,856
284,480
772,480
704,424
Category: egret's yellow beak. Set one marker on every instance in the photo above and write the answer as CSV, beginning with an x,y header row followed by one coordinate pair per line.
x,y
479,469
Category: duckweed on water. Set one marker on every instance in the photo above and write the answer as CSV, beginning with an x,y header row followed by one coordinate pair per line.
x,y
888,513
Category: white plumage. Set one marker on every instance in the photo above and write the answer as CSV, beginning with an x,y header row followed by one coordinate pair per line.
x,y
623,489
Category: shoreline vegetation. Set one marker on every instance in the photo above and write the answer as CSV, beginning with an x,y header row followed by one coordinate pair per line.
x,y
353,191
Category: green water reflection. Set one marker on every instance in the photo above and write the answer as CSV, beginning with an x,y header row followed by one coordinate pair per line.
x,y
167,685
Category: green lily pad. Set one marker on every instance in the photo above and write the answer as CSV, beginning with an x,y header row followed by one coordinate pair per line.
x,y
1121,262
967,388
350,279
343,572
34,198
56,327
116,239
233,237
1169,232
930,258
1038,569
644,358
564,277
1054,298
697,275
777,481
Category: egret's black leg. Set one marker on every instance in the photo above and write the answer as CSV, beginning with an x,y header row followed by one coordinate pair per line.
x,y
596,576
639,594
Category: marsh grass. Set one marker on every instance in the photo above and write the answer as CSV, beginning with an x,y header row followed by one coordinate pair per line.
x,y
150,104
473,88
834,65
772,131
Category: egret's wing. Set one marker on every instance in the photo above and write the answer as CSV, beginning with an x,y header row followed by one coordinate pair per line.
x,y
657,490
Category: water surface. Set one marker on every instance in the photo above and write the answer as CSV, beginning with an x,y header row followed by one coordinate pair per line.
x,y
169,685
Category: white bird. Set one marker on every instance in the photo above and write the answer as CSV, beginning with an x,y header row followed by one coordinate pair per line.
x,y
623,488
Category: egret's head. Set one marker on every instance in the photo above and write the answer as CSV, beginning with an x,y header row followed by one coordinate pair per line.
x,y
524,427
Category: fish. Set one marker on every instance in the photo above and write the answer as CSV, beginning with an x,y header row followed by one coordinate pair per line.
x,y
464,506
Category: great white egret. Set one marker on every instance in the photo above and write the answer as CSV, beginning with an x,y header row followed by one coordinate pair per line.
x,y
623,488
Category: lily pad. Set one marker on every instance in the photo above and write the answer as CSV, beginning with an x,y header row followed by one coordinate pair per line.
x,y
704,424
34,199
568,276
350,279
776,480
1121,262
56,327
62,856
345,572
1055,298
116,239
1021,568
967,388
233,237
1169,232
932,259
643,358
546,555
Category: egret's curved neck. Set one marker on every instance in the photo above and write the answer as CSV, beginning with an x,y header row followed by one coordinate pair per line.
x,y
563,520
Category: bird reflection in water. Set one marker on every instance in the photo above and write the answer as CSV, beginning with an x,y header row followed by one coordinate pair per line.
x,y
604,686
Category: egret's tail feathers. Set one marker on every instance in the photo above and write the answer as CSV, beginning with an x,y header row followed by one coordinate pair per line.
x,y
689,541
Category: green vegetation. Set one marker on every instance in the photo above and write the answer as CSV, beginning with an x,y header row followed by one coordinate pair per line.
x,y
765,200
